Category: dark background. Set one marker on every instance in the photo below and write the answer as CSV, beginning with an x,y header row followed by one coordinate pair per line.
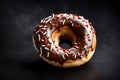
x,y
18,58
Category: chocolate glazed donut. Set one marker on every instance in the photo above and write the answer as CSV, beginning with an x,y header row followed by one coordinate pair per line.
x,y
59,27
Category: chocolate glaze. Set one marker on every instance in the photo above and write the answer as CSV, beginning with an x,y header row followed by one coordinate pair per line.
x,y
75,52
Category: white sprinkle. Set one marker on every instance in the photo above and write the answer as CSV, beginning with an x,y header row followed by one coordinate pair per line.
x,y
53,15
81,56
85,46
48,54
43,28
63,56
66,54
68,17
51,47
77,47
40,51
48,44
46,48
40,25
72,24
75,56
64,14
44,33
58,15
42,40
49,17
78,53
43,45
63,22
82,17
53,24
38,31
50,22
41,20
47,20
75,43
39,37
66,51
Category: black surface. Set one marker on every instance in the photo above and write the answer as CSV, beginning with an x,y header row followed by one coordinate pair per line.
x,y
18,58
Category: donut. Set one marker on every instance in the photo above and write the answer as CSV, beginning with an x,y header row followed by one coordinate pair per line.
x,y
63,27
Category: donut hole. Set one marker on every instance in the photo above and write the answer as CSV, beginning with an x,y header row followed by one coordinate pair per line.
x,y
65,43
64,37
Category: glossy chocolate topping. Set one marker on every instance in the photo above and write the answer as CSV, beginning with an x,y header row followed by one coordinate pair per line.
x,y
80,27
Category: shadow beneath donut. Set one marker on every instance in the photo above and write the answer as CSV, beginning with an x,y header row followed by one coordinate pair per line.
x,y
44,71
